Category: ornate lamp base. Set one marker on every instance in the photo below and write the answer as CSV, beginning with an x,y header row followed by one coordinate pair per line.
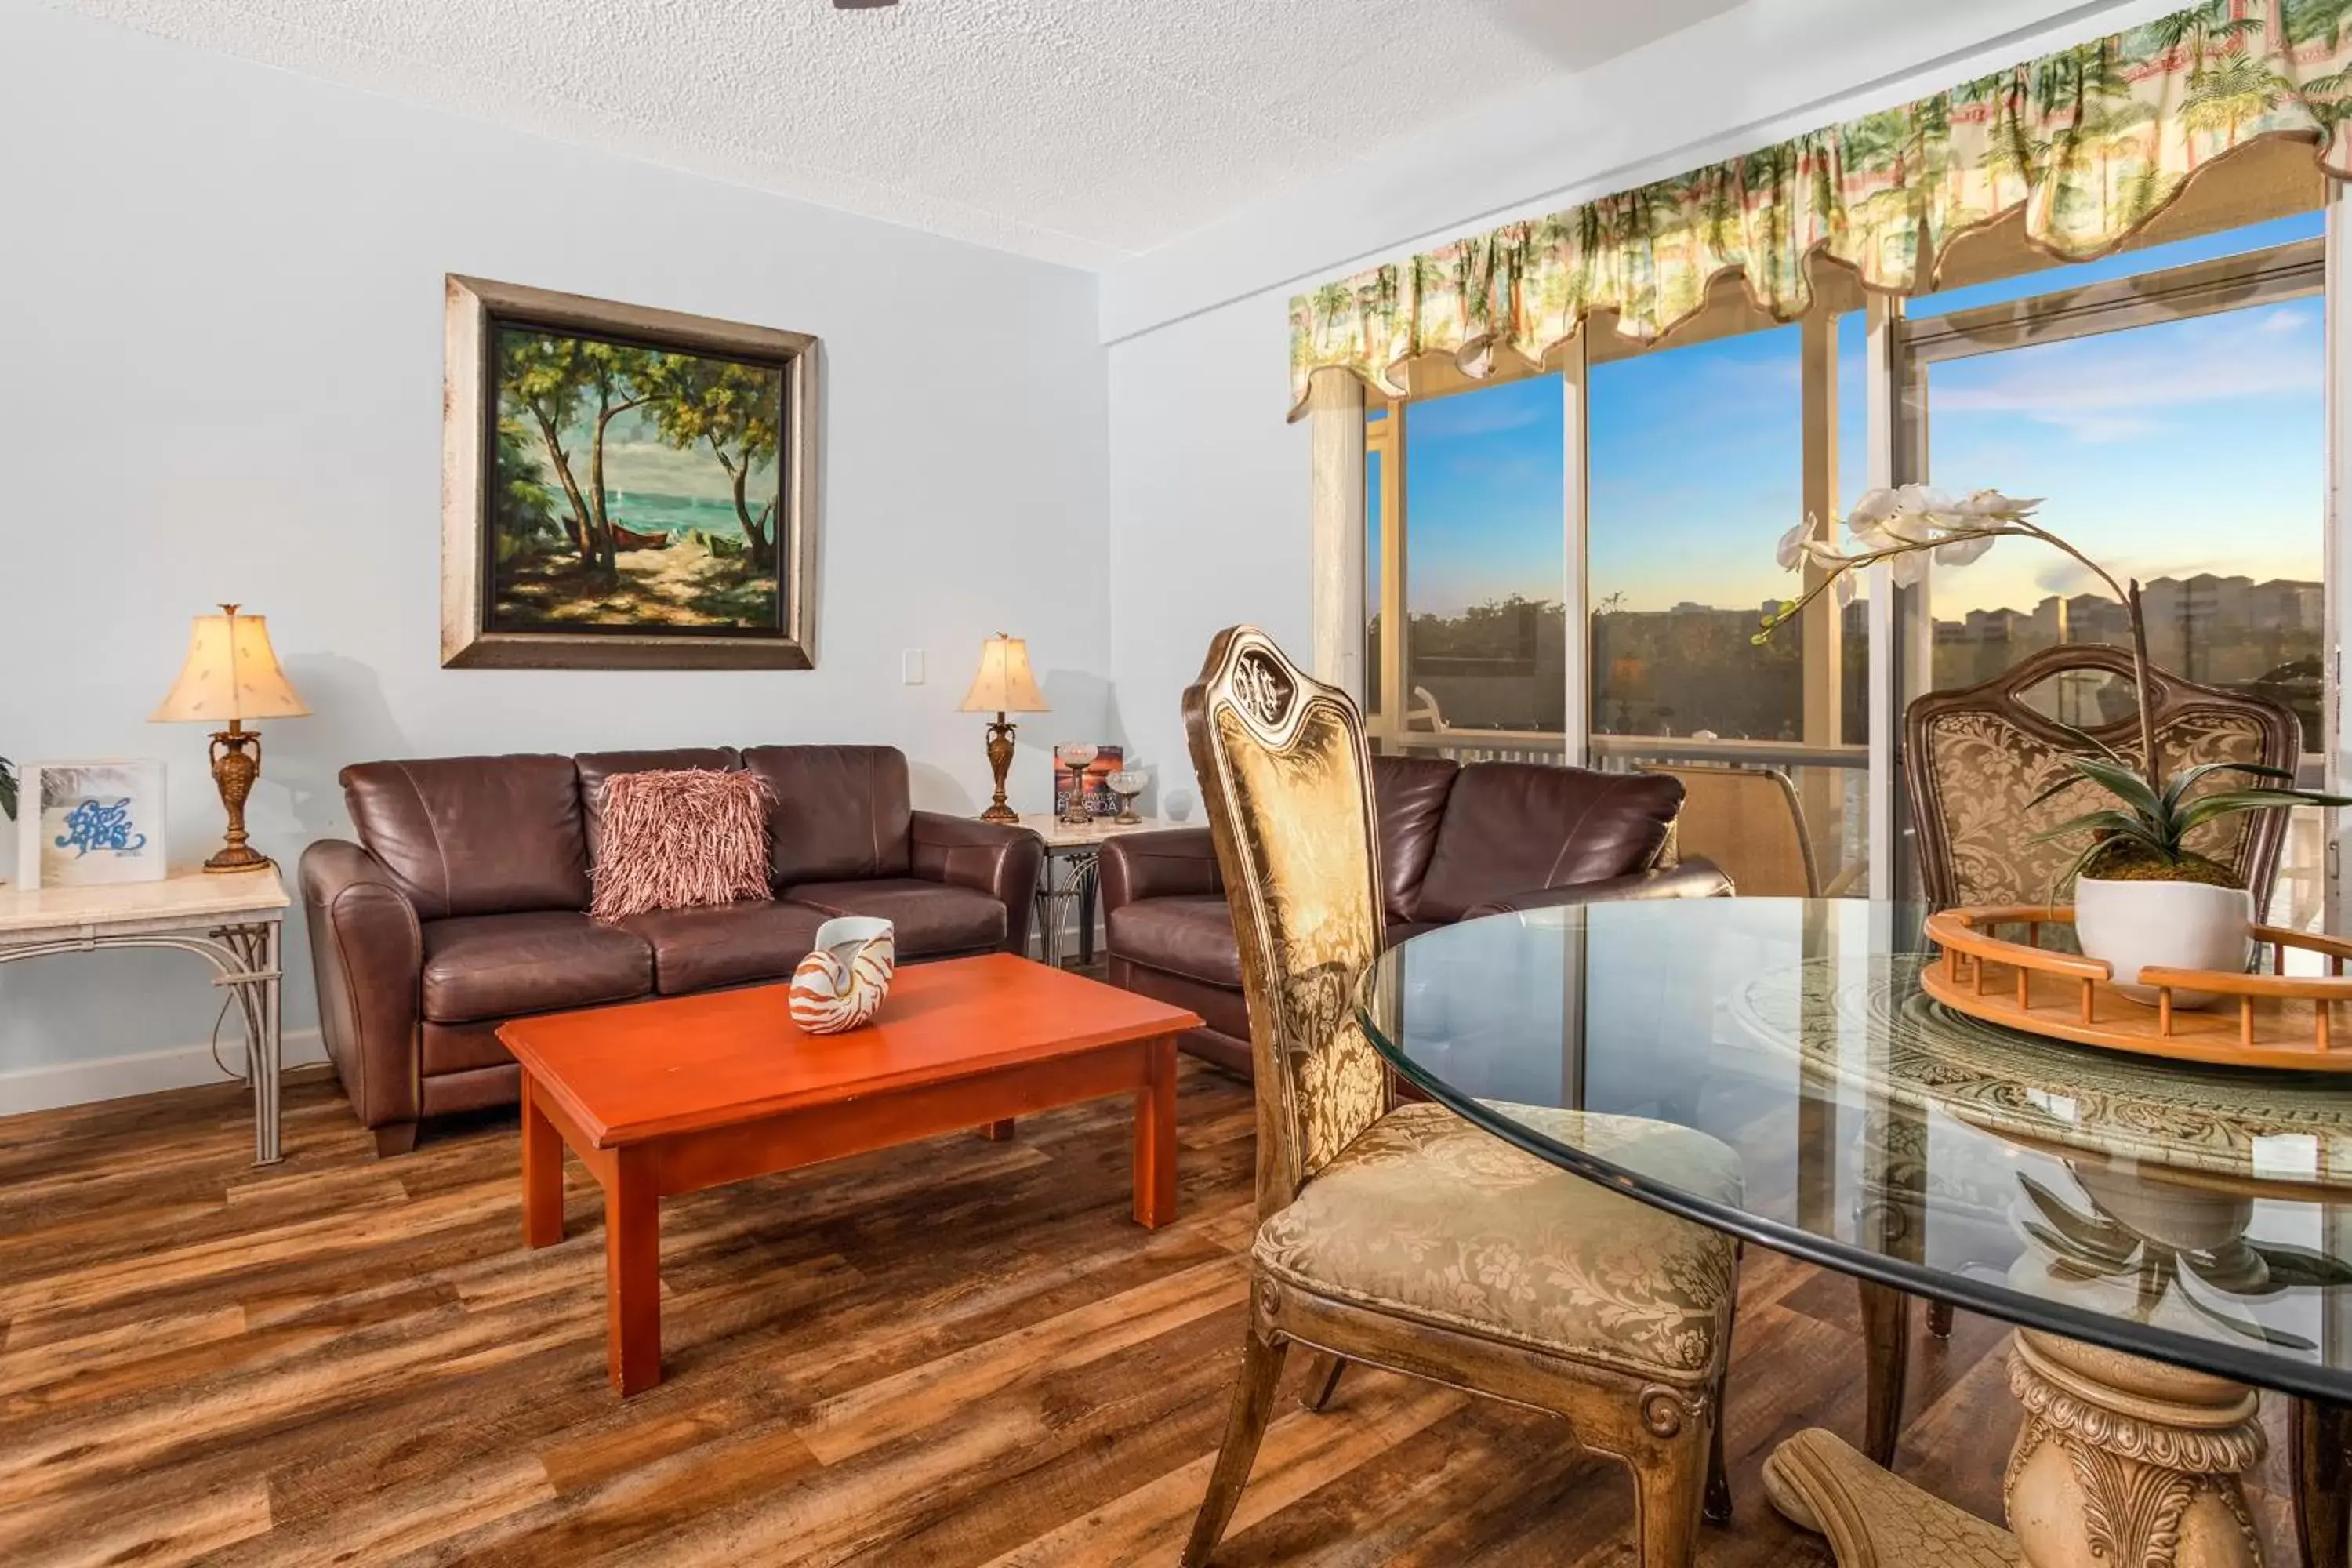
x,y
1000,759
236,762
2120,1461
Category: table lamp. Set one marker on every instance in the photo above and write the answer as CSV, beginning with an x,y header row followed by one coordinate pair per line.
x,y
1002,686
232,673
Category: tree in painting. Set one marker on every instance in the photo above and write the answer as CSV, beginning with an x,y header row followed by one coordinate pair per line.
x,y
633,488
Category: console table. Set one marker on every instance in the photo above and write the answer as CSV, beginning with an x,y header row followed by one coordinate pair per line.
x,y
1078,852
232,920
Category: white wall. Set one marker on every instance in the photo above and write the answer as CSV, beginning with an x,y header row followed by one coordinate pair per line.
x,y
1209,485
220,314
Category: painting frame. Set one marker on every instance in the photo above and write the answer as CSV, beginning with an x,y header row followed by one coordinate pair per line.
x,y
475,307
141,812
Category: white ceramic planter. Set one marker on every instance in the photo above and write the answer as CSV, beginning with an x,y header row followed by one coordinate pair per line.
x,y
2171,925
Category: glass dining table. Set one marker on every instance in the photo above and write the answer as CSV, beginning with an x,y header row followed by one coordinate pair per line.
x,y
2168,1240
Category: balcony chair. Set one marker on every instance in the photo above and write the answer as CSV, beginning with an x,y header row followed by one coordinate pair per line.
x,y
1637,1368
1747,821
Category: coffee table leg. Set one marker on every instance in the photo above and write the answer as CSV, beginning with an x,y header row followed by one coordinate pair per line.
x,y
998,1131
1155,1137
543,1173
632,1275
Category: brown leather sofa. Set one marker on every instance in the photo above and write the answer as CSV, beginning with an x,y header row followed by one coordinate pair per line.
x,y
1455,843
464,904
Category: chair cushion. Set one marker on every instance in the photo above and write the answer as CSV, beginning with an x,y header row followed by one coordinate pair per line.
x,y
1410,793
1512,827
729,944
932,918
496,966
1191,934
1426,1216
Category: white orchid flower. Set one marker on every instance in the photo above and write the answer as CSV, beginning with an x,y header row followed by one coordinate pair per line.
x,y
1824,554
1846,589
1909,571
1791,553
1960,552
1912,528
1991,506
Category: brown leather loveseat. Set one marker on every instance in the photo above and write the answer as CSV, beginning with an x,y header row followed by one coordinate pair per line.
x,y
464,904
1455,843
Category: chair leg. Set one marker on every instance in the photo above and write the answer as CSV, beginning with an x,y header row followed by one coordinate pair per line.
x,y
1322,1380
2322,1482
1245,1426
1886,1345
1717,1510
1939,1319
1668,1495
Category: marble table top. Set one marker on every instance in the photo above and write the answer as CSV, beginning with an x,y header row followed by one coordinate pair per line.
x,y
188,896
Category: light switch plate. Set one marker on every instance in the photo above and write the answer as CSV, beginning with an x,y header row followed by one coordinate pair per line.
x,y
910,666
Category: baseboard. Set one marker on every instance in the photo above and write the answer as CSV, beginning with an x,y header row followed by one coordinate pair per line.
x,y
55,1084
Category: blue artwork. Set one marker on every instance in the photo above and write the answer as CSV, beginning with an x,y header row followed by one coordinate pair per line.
x,y
87,824
100,825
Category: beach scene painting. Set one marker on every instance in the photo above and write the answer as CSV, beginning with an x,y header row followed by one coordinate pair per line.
x,y
625,487
633,488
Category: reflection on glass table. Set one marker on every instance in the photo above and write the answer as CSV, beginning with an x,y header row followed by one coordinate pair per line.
x,y
2168,1239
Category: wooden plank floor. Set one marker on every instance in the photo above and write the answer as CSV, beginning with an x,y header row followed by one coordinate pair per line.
x,y
960,1353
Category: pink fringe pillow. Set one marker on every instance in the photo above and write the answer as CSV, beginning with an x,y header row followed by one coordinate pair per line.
x,y
680,839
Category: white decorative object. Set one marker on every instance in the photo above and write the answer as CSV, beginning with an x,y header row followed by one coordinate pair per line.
x,y
842,984
2133,925
85,825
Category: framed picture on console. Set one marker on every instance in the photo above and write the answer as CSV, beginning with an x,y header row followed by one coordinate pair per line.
x,y
85,825
623,488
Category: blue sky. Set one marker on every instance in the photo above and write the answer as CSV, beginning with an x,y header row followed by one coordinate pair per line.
x,y
2191,445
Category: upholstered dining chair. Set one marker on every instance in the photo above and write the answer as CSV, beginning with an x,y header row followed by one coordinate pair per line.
x,y
1975,760
1407,1238
1747,821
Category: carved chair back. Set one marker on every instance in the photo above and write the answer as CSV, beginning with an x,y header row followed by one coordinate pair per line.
x,y
1976,758
1288,782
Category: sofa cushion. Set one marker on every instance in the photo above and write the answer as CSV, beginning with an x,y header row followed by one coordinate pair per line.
x,y
1410,795
1190,934
730,944
840,812
475,835
1511,828
496,966
932,918
596,767
446,1048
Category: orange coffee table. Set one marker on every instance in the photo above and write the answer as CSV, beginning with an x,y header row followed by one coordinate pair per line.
x,y
673,1096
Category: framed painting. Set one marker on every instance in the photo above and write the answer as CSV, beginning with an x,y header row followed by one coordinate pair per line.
x,y
623,488
82,825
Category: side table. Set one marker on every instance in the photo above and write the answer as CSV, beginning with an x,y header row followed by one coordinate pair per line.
x,y
232,920
1077,851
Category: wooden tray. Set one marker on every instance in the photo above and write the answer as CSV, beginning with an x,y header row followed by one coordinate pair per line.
x,y
2279,1020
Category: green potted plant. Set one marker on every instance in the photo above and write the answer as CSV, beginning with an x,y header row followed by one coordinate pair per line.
x,y
2142,897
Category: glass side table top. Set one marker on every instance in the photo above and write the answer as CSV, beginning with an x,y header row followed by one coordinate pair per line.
x,y
2197,1215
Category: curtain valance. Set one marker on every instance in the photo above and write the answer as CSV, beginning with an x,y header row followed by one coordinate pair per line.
x,y
2090,143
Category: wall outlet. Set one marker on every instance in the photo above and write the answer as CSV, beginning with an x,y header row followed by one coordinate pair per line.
x,y
910,666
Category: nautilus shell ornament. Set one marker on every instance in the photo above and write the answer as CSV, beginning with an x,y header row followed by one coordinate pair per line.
x,y
842,984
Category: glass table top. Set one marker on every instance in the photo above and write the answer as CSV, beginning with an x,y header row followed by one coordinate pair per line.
x,y
2195,1215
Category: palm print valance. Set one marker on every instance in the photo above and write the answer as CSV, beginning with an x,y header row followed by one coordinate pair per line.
x,y
2090,143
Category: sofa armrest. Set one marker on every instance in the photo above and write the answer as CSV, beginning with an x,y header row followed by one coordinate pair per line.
x,y
995,858
1172,863
367,952
1692,878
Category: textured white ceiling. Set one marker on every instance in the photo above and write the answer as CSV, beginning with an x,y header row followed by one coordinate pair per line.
x,y
1078,131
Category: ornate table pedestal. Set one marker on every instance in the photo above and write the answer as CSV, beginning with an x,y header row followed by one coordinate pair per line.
x,y
2121,1463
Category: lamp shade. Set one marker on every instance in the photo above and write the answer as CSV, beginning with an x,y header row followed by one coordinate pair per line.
x,y
1005,684
231,673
